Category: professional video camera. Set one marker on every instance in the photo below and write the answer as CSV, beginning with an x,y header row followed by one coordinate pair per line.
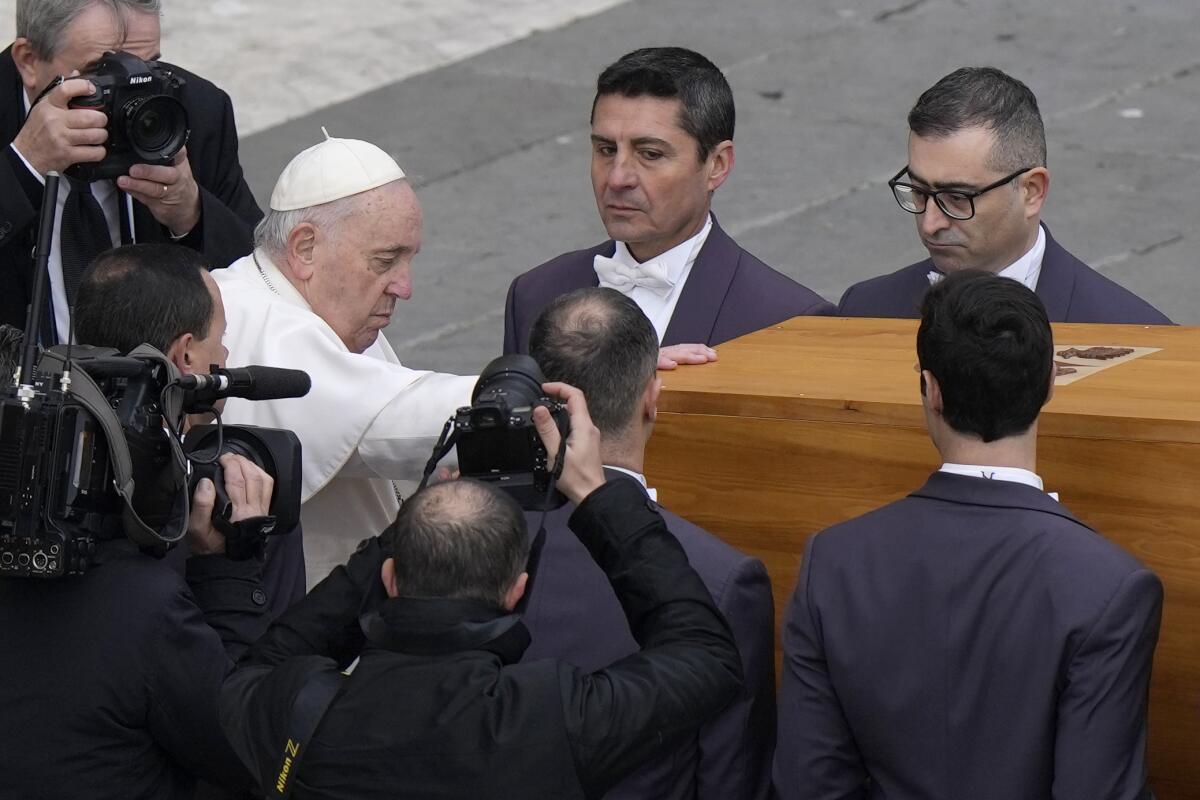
x,y
147,123
496,438
91,447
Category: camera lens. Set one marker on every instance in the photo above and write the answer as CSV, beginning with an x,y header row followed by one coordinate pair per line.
x,y
156,126
513,380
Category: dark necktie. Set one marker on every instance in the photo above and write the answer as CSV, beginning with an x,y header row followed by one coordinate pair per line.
x,y
84,234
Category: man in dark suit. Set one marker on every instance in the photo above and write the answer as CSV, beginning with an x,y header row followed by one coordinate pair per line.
x,y
662,143
977,150
599,341
201,201
974,639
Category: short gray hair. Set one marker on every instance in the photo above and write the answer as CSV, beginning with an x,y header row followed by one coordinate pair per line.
x,y
985,97
272,232
43,22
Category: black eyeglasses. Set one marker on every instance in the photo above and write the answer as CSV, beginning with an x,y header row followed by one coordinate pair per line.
x,y
955,203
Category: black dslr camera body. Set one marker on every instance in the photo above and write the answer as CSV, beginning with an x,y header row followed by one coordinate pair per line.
x,y
496,438
147,123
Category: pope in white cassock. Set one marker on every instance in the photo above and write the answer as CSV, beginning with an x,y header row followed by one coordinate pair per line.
x,y
331,259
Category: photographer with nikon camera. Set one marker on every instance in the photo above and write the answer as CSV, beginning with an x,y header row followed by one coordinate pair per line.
x,y
118,131
110,678
437,704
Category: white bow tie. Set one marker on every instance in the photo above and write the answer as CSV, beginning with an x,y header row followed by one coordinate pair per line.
x,y
615,275
934,277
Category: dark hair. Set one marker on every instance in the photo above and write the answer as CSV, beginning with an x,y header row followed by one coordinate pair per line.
x,y
460,539
597,340
984,97
707,113
139,293
988,342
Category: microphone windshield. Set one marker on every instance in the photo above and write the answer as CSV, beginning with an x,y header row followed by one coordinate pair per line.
x,y
273,383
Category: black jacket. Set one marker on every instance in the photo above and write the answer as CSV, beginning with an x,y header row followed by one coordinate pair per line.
x,y
228,211
438,707
109,681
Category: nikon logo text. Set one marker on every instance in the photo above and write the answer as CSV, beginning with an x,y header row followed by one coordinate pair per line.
x,y
140,79
289,750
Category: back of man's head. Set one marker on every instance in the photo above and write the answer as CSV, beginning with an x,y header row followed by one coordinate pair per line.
x,y
139,293
460,539
707,112
599,341
44,22
984,97
987,341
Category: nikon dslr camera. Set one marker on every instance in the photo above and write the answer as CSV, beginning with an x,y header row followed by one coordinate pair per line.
x,y
147,123
496,438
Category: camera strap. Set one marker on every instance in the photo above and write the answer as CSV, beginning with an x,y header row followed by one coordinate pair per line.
x,y
310,705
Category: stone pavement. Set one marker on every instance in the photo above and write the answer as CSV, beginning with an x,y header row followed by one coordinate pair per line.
x,y
497,143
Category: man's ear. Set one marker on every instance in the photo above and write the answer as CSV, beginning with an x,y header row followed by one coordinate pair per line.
x,y
178,355
27,61
1050,390
515,592
1035,184
650,398
719,164
387,574
301,247
932,393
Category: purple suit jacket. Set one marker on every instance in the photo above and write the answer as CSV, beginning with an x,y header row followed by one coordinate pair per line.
x,y
1070,290
573,615
973,640
728,294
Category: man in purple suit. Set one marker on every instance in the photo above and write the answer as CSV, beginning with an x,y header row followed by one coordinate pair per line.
x,y
977,150
600,342
662,143
974,639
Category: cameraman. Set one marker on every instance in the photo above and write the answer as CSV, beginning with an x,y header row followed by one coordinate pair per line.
x,y
109,680
437,704
163,295
201,200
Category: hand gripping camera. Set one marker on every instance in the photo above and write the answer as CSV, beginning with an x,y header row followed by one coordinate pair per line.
x,y
496,438
147,123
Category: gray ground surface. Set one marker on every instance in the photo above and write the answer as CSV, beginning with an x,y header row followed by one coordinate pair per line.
x,y
498,148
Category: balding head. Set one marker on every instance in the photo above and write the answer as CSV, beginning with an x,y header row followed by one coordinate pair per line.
x,y
599,341
461,539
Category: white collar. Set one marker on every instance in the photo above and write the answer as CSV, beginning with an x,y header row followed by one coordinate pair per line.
x,y
1012,474
1028,267
677,259
274,279
639,477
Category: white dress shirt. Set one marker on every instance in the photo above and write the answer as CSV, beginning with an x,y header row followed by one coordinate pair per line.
x,y
678,262
1026,269
107,194
639,477
1013,474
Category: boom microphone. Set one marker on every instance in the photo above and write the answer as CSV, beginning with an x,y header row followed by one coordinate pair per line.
x,y
251,383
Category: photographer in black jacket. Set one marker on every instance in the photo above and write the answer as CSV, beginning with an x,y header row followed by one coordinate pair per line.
x,y
109,680
437,705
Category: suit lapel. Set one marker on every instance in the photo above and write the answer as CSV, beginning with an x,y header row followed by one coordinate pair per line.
x,y
704,293
992,493
1056,283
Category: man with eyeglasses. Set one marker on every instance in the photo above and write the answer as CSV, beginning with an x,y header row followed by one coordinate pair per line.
x,y
976,180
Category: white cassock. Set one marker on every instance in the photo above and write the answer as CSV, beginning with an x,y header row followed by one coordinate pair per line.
x,y
367,421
